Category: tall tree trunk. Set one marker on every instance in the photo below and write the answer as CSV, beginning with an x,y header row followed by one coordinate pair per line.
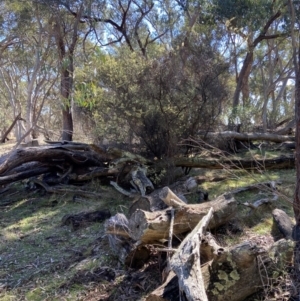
x,y
66,56
296,203
66,86
242,84
296,61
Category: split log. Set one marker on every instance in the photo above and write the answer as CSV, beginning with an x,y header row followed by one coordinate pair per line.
x,y
152,202
152,226
186,262
235,274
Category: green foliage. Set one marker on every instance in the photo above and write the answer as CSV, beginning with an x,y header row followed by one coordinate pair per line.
x,y
244,13
156,101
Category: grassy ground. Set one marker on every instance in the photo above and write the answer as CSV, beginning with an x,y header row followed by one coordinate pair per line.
x,y
40,259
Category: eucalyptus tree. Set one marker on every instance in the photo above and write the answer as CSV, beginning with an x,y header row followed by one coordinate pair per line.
x,y
24,72
251,20
271,74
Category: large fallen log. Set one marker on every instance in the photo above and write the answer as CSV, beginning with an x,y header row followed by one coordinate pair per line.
x,y
247,136
54,153
287,161
88,161
147,227
235,273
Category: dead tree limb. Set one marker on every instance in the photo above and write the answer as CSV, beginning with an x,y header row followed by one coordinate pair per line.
x,y
186,262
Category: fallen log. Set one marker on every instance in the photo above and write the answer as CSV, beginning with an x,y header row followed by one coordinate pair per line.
x,y
236,273
53,153
89,161
281,162
147,227
227,135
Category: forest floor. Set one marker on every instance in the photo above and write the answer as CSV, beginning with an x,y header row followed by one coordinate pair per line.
x,y
41,259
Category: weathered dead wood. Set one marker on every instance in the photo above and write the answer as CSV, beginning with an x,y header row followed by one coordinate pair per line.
x,y
117,225
170,198
85,218
209,248
261,202
151,226
186,262
287,161
235,274
269,186
38,170
283,223
247,136
95,173
51,154
153,202
123,246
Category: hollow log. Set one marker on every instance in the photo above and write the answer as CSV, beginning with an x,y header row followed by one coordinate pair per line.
x,y
152,226
236,273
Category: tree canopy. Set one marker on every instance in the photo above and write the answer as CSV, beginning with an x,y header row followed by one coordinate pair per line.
x,y
147,71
